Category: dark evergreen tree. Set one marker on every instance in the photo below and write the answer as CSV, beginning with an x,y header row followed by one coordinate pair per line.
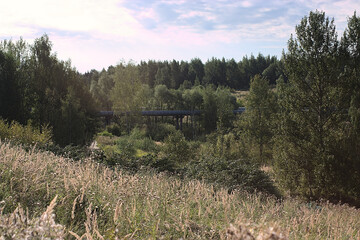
x,y
232,74
10,95
215,72
196,71
175,75
312,123
184,71
163,75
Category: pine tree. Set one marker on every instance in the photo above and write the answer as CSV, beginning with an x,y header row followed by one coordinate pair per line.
x,y
312,123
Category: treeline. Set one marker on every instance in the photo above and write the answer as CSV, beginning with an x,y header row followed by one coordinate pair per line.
x,y
174,74
37,88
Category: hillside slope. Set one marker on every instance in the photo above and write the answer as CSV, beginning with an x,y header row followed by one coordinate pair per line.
x,y
104,203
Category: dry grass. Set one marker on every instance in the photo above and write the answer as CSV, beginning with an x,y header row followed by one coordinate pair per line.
x,y
18,225
95,202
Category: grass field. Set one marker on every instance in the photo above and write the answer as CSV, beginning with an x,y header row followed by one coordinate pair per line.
x,y
95,202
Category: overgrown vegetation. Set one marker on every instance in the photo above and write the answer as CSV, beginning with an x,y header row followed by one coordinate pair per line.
x,y
96,200
25,135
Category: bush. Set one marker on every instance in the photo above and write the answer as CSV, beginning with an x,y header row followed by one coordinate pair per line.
x,y
126,147
232,174
146,144
27,135
114,129
137,133
137,140
105,134
74,152
160,131
176,149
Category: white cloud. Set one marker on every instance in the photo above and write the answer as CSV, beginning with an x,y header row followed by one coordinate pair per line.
x,y
90,16
246,4
95,34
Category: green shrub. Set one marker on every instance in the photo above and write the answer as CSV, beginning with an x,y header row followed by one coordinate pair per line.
x,y
223,145
4,130
146,144
160,131
114,129
25,134
74,152
126,147
105,134
105,140
136,140
232,174
176,149
137,133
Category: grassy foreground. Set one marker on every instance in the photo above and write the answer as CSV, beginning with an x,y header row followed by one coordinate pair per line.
x,y
95,202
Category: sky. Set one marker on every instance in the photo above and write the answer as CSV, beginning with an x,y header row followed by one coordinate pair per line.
x,y
95,34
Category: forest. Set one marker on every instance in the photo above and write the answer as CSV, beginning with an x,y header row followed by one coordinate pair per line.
x,y
299,135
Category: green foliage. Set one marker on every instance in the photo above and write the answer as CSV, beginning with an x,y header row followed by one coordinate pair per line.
x,y
127,84
220,161
232,174
186,85
126,147
225,104
192,98
307,119
312,156
10,89
43,89
160,131
100,87
215,72
73,127
163,75
176,149
25,134
115,129
196,71
105,133
209,115
256,125
226,146
163,96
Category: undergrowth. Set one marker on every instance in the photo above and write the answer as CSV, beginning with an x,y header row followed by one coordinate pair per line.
x,y
100,203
